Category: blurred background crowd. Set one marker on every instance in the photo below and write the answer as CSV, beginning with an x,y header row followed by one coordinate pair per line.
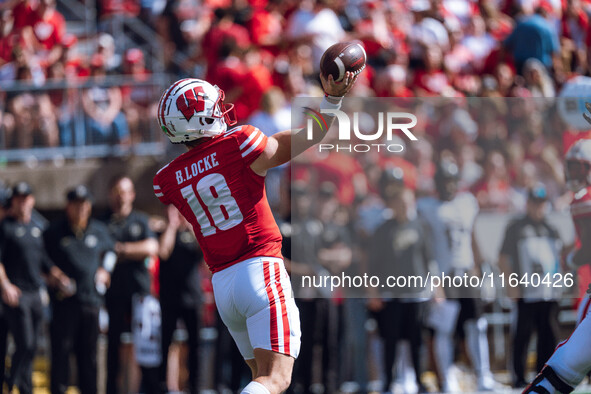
x,y
94,66
80,81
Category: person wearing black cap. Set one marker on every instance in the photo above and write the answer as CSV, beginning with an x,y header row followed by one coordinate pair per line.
x,y
532,246
81,247
23,260
401,246
135,242
306,236
333,256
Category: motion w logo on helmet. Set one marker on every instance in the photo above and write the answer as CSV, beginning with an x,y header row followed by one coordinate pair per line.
x,y
191,102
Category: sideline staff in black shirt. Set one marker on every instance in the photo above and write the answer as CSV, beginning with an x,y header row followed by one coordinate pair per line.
x,y
400,247
533,246
80,246
23,260
4,195
180,296
134,243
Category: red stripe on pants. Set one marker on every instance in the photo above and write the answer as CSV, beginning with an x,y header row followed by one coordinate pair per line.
x,y
273,311
286,330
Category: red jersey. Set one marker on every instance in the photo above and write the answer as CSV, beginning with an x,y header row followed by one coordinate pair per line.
x,y
49,30
214,187
580,209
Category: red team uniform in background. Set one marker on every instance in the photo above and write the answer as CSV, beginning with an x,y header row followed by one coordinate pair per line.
x,y
580,209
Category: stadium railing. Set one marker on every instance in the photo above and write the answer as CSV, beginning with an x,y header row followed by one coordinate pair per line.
x,y
81,148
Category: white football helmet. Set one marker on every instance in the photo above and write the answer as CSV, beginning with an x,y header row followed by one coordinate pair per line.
x,y
192,108
578,165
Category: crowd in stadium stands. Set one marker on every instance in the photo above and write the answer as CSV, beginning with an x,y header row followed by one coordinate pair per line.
x,y
264,53
504,48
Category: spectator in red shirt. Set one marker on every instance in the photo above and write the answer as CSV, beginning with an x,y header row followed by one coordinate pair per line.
x,y
75,64
48,24
125,8
242,77
48,27
22,11
266,25
430,80
258,80
8,37
229,73
493,191
498,24
223,30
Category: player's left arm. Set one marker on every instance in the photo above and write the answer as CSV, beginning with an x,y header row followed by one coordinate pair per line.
x,y
285,145
137,250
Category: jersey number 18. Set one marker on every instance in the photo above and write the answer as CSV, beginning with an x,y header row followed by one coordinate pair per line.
x,y
217,199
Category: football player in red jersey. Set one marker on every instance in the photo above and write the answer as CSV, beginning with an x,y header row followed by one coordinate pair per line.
x,y
218,185
571,360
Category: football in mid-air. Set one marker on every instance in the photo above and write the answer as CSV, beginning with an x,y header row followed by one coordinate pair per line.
x,y
343,57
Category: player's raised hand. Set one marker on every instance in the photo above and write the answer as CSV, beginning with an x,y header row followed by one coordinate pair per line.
x,y
338,89
585,115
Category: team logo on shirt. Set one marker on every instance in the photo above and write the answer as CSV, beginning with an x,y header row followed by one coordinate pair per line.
x,y
405,239
135,230
91,241
20,231
186,237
